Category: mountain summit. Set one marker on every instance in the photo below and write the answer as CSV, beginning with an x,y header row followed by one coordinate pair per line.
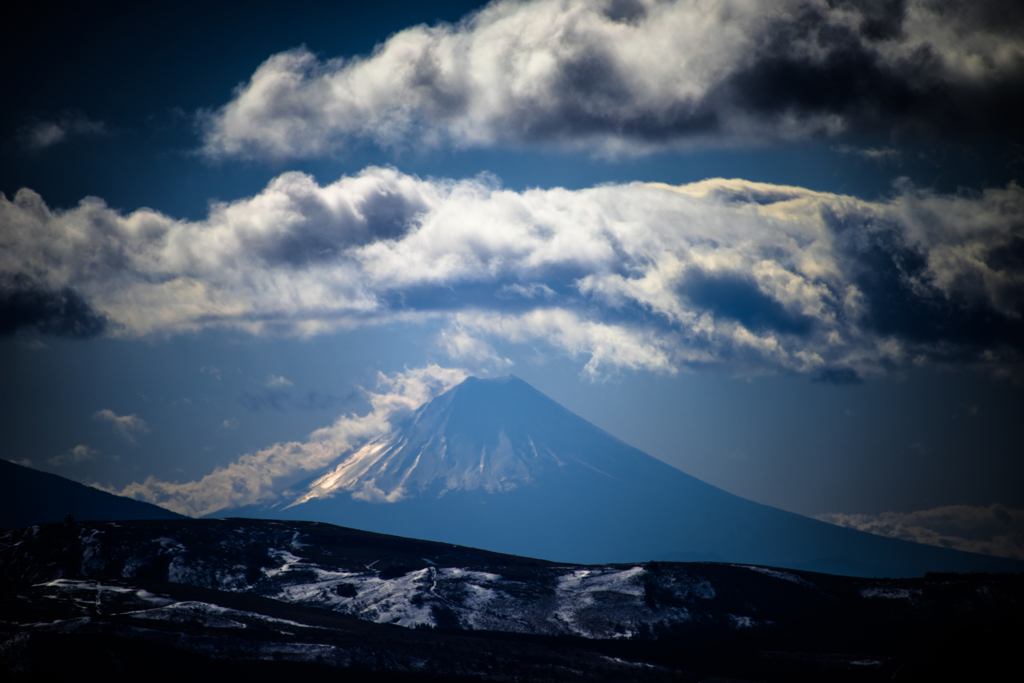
x,y
494,463
495,436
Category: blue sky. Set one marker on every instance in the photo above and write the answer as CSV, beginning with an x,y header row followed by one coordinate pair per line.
x,y
777,245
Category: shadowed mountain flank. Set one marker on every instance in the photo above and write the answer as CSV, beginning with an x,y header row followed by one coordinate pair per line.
x,y
494,463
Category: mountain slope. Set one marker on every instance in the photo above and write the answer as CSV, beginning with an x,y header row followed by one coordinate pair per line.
x,y
28,496
496,464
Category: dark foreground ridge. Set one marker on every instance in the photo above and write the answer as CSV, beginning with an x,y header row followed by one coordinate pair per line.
x,y
163,600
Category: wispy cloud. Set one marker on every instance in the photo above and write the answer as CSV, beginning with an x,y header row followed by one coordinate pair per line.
x,y
278,381
606,346
45,133
741,276
128,426
880,155
471,352
78,454
640,75
261,477
993,530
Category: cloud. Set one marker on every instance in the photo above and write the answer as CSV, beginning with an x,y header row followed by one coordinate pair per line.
x,y
263,476
63,312
993,530
878,155
211,370
80,453
605,345
533,290
471,352
631,76
128,426
47,133
277,381
725,275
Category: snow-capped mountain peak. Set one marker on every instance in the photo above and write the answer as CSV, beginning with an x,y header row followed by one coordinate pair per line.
x,y
494,463
432,451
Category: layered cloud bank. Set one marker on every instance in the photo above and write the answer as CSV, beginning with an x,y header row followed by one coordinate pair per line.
x,y
744,277
630,76
993,530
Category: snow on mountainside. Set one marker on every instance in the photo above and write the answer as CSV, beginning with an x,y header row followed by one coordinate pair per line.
x,y
496,464
410,583
271,601
430,448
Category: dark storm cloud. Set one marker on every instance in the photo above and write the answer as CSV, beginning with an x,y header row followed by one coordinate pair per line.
x,y
63,312
850,79
631,77
902,303
903,299
739,298
880,19
871,93
626,11
328,228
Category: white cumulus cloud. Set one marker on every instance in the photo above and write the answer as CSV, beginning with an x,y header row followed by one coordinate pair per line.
x,y
631,76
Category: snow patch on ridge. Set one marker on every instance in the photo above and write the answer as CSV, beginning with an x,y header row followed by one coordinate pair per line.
x,y
785,576
609,602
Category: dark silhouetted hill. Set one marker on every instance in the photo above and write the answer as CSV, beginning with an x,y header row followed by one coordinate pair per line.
x,y
28,496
